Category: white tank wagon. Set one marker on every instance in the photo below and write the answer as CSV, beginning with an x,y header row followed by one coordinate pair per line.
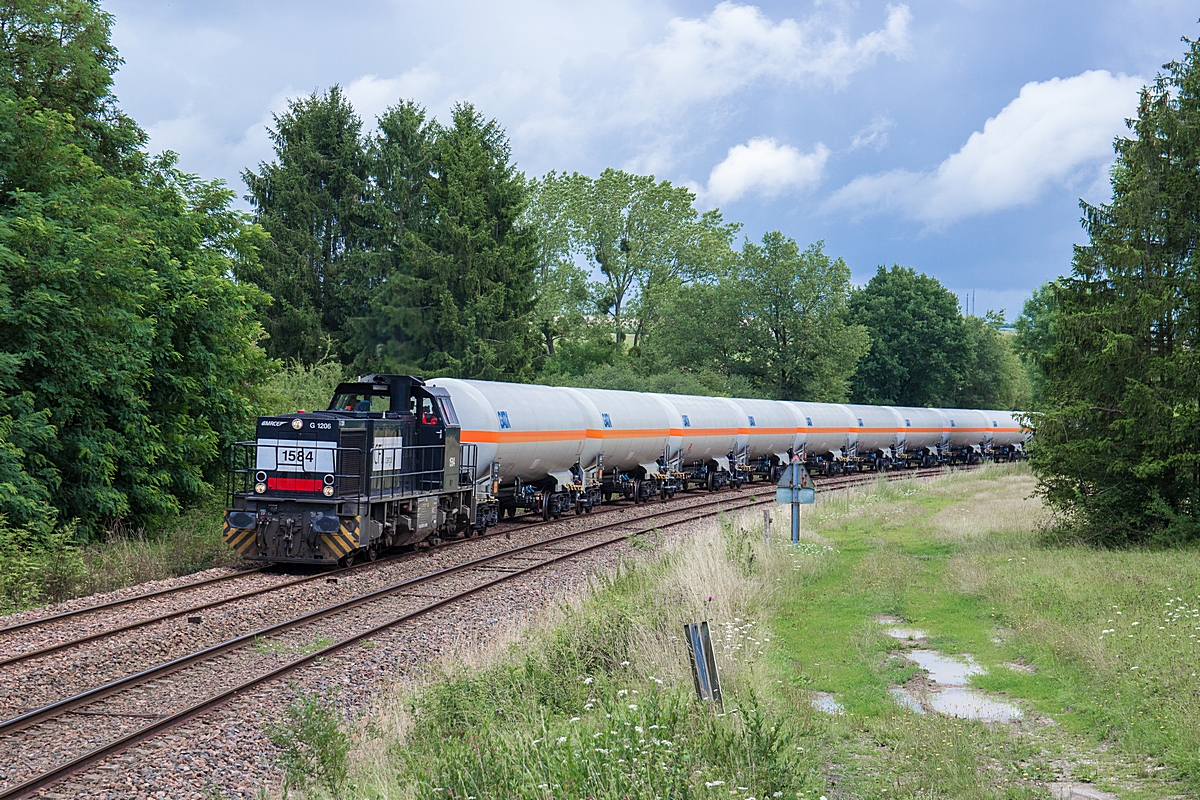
x,y
970,432
880,435
634,442
775,432
830,435
532,440
926,434
707,439
1009,435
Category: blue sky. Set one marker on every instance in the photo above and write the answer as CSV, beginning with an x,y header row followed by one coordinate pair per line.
x,y
953,137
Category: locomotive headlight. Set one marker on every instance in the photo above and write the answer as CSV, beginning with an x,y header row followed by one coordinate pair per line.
x,y
327,491
297,424
260,487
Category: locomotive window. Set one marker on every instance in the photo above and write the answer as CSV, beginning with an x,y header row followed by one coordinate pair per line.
x,y
362,402
448,414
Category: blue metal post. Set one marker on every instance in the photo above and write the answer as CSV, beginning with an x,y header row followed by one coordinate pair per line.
x,y
795,517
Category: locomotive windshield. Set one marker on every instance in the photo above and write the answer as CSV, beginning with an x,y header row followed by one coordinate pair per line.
x,y
361,401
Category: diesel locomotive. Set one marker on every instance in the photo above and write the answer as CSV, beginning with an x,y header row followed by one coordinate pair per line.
x,y
396,460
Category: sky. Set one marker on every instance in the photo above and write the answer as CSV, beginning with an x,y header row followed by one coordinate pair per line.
x,y
956,137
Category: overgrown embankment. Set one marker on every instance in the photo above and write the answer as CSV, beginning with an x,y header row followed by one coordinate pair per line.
x,y
1093,648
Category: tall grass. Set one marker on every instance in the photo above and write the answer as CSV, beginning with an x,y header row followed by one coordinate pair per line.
x,y
40,568
597,700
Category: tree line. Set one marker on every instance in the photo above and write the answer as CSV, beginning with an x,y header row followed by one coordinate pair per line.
x,y
419,247
144,320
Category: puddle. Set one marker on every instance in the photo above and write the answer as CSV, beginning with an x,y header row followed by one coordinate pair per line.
x,y
904,634
907,700
1077,791
970,704
945,669
947,678
827,703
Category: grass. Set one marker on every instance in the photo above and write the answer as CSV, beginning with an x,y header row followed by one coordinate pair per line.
x,y
596,699
35,570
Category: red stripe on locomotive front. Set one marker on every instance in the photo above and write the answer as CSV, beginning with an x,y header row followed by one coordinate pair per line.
x,y
294,484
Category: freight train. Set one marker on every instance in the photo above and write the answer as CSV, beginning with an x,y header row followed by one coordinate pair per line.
x,y
398,461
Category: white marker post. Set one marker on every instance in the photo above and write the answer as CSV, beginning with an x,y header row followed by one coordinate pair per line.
x,y
795,486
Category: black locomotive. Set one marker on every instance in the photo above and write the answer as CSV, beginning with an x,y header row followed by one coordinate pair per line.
x,y
382,466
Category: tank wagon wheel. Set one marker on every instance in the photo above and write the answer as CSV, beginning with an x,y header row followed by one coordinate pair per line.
x,y
711,482
545,505
587,509
637,492
578,507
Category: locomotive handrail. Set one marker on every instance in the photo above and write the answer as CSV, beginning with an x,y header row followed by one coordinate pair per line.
x,y
389,472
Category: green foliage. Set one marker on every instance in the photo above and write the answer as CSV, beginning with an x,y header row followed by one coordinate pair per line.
x,y
1118,445
297,386
1035,338
311,202
918,342
644,236
993,377
127,358
36,567
776,321
461,301
58,54
571,715
314,747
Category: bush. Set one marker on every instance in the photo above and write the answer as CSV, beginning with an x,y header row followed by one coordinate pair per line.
x,y
314,747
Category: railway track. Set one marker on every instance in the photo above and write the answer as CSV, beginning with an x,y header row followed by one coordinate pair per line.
x,y
103,720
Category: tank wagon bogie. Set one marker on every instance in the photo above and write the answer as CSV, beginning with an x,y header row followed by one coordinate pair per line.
x,y
397,461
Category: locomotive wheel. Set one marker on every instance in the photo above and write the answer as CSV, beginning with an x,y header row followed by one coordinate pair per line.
x,y
372,553
578,507
587,509
348,559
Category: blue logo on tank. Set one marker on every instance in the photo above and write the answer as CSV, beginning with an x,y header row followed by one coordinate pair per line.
x,y
607,421
687,423
503,415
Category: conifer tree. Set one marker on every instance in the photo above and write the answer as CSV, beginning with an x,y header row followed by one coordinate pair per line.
x,y
461,301
314,200
1117,449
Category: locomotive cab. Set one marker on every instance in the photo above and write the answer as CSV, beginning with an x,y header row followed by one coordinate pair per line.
x,y
381,466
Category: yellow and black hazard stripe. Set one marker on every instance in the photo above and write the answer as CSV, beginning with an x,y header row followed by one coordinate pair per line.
x,y
240,539
344,541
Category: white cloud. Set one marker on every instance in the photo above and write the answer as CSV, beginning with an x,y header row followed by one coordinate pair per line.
x,y
737,45
765,167
371,95
1058,131
874,135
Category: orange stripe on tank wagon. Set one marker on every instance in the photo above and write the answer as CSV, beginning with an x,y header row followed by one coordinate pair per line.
x,y
519,437
632,433
704,431
766,431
